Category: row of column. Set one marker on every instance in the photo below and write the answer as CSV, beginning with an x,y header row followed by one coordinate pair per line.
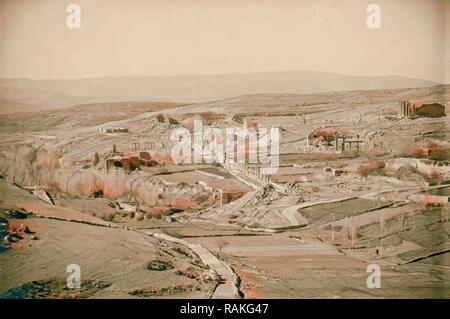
x,y
256,171
405,109
147,146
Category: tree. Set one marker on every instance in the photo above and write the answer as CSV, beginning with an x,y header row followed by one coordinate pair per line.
x,y
95,159
221,243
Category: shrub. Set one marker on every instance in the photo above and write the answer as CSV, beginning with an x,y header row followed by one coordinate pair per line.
x,y
371,168
408,172
159,265
108,217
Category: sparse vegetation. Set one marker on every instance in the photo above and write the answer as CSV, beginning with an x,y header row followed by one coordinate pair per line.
x,y
315,200
407,171
221,244
371,168
159,265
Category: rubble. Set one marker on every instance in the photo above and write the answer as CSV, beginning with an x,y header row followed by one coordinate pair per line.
x,y
294,188
266,194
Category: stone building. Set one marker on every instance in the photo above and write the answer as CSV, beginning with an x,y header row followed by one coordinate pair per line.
x,y
421,109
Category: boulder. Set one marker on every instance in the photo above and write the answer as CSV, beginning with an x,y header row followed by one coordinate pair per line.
x,y
12,238
25,229
19,214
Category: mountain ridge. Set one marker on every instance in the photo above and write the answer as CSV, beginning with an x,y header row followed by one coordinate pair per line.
x,y
44,94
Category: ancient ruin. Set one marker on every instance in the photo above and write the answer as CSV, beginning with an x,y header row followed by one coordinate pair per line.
x,y
224,150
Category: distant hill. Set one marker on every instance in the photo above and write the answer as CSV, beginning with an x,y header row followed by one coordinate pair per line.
x,y
264,104
33,95
78,116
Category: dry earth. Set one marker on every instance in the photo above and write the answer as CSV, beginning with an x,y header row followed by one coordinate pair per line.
x,y
140,225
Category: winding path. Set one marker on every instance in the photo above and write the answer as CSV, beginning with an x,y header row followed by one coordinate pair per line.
x,y
227,287
290,215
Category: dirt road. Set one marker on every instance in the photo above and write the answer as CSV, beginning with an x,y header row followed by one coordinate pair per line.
x,y
227,288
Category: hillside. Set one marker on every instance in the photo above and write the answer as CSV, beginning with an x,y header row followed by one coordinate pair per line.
x,y
33,95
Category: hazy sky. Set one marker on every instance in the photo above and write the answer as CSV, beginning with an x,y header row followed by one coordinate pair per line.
x,y
163,37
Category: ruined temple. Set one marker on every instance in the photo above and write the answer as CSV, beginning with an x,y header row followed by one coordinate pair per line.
x,y
421,109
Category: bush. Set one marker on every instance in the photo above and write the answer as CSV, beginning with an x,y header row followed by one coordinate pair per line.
x,y
440,155
408,172
108,217
159,265
372,168
434,175
155,214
